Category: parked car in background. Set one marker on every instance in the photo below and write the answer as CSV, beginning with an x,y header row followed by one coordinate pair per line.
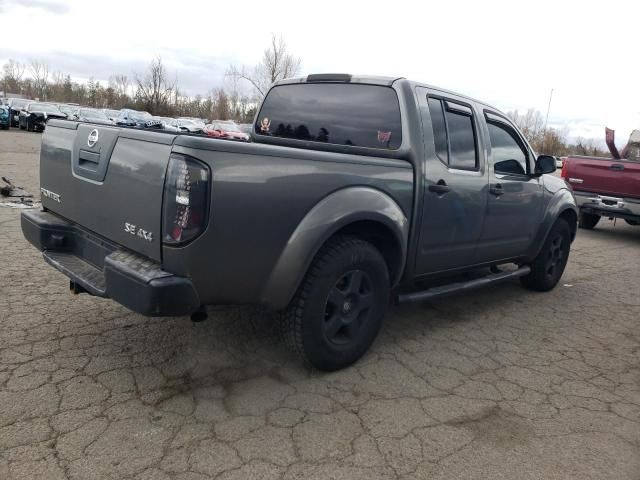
x,y
169,124
223,129
138,119
91,115
5,117
111,114
68,110
36,114
604,187
558,162
184,125
246,127
15,106
356,190
199,122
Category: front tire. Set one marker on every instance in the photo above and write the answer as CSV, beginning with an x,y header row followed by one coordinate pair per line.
x,y
548,266
338,310
588,220
632,222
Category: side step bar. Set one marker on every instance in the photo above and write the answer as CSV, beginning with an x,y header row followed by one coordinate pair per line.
x,y
457,287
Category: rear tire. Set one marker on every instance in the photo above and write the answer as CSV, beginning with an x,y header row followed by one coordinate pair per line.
x,y
588,220
338,309
548,266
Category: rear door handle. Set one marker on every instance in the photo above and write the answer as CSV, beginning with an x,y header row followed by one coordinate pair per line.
x,y
496,190
616,166
440,188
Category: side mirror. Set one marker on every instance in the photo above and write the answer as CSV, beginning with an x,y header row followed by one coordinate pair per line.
x,y
545,164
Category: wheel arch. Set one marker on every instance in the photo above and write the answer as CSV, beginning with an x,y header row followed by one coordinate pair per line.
x,y
561,205
360,211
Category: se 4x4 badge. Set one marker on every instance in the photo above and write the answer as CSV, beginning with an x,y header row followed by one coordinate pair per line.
x,y
138,232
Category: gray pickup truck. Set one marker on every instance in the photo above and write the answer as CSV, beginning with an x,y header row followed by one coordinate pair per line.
x,y
354,191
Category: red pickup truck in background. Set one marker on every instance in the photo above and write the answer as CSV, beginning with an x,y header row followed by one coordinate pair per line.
x,y
607,187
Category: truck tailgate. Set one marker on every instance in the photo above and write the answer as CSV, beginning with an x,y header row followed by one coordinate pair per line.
x,y
106,180
618,178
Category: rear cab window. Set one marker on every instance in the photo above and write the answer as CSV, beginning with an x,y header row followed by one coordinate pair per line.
x,y
356,115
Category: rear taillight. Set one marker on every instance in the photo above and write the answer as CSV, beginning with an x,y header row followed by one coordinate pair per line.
x,y
186,199
563,172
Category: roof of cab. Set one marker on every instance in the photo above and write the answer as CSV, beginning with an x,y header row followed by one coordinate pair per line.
x,y
372,80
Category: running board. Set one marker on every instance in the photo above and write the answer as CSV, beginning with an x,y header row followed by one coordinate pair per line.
x,y
435,292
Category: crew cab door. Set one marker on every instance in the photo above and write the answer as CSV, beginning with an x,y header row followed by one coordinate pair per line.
x,y
514,196
454,193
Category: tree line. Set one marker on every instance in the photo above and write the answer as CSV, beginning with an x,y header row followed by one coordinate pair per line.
x,y
553,141
154,90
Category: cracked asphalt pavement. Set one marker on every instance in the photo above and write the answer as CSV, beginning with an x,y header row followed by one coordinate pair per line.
x,y
499,383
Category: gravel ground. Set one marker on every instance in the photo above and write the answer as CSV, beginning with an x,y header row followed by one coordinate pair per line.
x,y
500,383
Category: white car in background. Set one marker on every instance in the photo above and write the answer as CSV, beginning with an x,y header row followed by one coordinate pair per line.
x,y
182,125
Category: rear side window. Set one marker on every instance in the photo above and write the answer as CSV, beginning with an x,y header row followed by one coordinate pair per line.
x,y
462,141
439,129
453,133
336,113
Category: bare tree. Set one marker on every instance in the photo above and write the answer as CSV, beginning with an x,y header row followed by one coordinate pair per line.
x,y
531,124
155,91
40,73
12,75
120,84
277,63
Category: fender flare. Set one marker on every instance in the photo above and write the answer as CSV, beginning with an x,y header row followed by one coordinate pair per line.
x,y
334,212
561,201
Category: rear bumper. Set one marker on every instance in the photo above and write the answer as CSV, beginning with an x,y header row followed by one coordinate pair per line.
x,y
608,206
102,268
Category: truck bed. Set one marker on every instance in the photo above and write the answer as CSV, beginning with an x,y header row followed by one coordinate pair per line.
x,y
259,194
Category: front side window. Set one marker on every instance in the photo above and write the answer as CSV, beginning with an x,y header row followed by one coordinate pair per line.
x,y
507,154
336,113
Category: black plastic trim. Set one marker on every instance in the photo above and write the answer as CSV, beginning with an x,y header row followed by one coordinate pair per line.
x,y
329,77
105,269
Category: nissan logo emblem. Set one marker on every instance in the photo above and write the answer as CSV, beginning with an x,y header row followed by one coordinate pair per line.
x,y
93,138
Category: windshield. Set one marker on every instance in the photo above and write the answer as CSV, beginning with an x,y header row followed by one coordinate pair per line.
x,y
140,115
18,104
112,113
43,107
91,113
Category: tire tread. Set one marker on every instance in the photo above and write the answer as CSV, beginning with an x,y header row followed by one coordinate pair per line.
x,y
291,320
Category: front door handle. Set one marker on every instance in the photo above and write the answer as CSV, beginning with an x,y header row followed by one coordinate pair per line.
x,y
616,166
440,188
496,190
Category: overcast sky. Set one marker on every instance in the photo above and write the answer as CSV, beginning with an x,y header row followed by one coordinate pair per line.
x,y
510,54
